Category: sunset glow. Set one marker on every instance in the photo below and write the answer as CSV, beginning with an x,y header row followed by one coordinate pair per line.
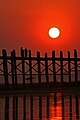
x,y
54,32
27,24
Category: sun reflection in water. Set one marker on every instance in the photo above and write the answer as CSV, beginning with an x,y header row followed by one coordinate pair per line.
x,y
56,107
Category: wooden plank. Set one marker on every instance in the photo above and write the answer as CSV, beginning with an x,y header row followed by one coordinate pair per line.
x,y
54,67
5,67
46,68
39,69
41,58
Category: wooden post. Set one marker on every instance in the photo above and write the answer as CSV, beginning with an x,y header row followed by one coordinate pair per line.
x,y
70,107
54,67
55,104
47,106
62,107
39,69
5,67
40,107
30,66
55,99
69,67
23,66
12,67
15,70
75,64
24,108
77,108
31,107
61,65
15,108
26,51
46,68
6,108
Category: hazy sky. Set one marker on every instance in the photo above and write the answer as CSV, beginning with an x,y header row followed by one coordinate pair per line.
x,y
26,23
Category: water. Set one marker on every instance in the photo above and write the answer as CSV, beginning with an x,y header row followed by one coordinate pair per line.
x,y
40,106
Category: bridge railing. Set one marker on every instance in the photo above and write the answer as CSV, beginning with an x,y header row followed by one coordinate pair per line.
x,y
25,68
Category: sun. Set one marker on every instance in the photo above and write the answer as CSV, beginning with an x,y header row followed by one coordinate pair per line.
x,y
54,32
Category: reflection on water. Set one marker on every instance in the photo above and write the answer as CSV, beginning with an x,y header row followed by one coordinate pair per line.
x,y
53,106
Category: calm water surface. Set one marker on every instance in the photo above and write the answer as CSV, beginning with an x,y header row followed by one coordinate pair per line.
x,y
51,106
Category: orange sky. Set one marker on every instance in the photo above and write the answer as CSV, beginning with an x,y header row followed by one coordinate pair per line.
x,y
26,23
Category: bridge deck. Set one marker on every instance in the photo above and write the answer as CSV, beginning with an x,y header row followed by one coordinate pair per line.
x,y
42,87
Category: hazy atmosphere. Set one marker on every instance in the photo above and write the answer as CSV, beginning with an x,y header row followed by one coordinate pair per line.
x,y
26,23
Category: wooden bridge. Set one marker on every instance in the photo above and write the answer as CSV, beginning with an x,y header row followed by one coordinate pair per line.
x,y
28,72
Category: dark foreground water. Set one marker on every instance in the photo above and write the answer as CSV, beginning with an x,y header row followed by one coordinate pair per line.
x,y
47,106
